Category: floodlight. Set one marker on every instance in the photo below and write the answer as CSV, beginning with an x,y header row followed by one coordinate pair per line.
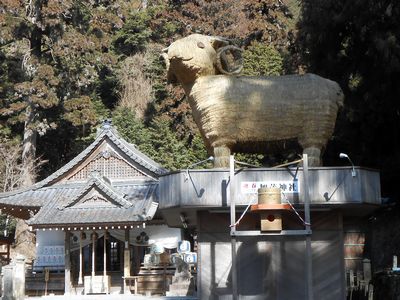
x,y
353,171
211,158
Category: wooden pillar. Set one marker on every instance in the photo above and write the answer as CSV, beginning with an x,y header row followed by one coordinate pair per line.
x,y
8,253
127,261
80,277
105,279
67,260
121,247
93,253
105,253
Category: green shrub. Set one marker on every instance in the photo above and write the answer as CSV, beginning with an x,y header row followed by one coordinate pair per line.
x,y
262,60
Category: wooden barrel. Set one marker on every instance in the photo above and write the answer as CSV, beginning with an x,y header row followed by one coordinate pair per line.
x,y
270,220
269,196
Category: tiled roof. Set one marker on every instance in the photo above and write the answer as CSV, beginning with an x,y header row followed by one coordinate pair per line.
x,y
96,200
140,205
27,196
104,186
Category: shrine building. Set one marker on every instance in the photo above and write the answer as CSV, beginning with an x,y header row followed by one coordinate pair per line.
x,y
94,218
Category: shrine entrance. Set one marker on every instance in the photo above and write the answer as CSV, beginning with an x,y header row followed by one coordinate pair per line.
x,y
114,260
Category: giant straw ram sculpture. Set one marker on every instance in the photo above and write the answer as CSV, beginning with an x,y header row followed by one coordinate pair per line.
x,y
238,112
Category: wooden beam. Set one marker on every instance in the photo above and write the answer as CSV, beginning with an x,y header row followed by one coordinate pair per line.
x,y
127,261
67,259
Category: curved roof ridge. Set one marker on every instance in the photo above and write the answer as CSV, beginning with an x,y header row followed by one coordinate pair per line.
x,y
69,165
104,186
136,155
106,131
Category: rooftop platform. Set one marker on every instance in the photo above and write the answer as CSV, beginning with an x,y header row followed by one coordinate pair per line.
x,y
330,188
111,297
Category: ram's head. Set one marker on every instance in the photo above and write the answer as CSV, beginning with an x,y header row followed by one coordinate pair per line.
x,y
199,55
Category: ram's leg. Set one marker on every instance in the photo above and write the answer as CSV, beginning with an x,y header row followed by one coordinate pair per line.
x,y
221,157
314,156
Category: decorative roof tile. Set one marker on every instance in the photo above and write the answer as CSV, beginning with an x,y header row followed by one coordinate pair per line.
x,y
96,200
103,184
142,199
149,165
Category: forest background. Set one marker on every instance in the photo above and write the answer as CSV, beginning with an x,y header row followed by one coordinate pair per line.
x,y
66,65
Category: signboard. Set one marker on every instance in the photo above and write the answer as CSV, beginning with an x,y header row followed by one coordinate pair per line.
x,y
50,256
251,187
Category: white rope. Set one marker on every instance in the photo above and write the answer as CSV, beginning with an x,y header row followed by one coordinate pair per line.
x,y
241,217
295,211
251,201
287,200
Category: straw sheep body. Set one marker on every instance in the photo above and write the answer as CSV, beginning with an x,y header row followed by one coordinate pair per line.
x,y
237,110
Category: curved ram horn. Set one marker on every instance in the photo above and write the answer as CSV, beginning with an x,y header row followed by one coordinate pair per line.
x,y
218,42
229,60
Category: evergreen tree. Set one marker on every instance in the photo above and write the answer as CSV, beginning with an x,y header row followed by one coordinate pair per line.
x,y
357,44
159,141
134,34
262,60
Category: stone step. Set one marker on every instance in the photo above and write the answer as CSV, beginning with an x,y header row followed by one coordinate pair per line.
x,y
179,286
179,293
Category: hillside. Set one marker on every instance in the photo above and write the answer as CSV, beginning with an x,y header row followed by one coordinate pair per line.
x,y
72,65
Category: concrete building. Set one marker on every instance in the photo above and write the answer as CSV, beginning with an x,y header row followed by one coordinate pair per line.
x,y
95,217
274,265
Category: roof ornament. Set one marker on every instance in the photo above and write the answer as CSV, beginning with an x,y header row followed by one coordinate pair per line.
x,y
106,154
106,124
